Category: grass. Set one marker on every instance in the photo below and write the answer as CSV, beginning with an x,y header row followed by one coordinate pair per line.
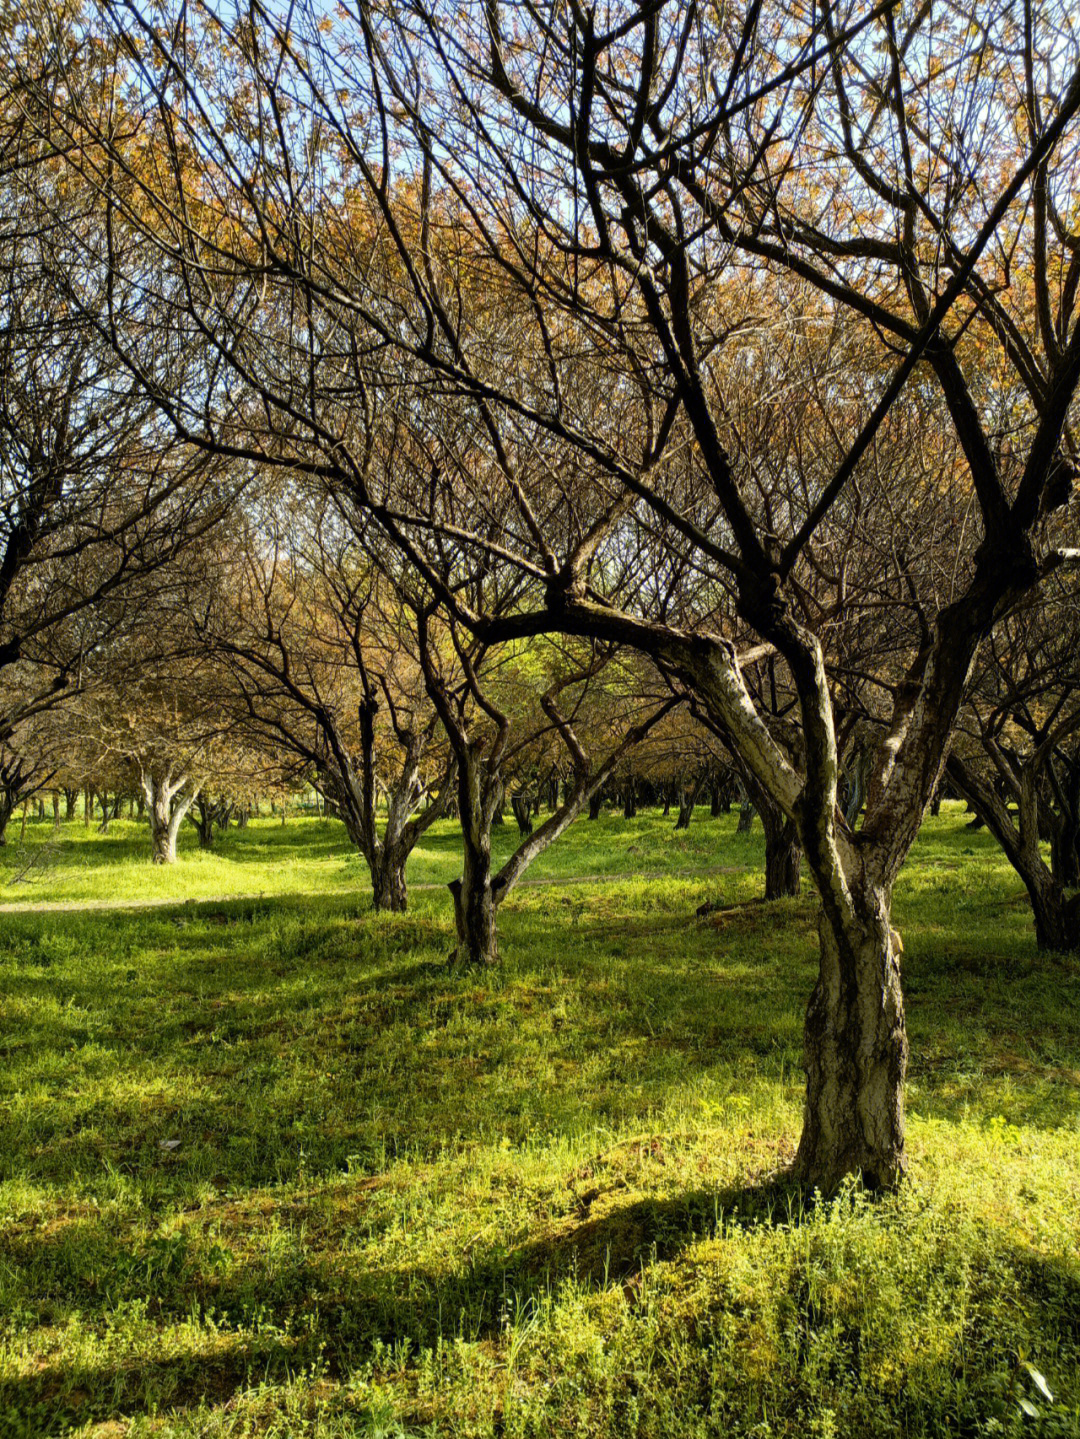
x,y
313,856
267,1167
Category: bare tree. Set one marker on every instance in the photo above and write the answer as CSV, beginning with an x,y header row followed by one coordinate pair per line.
x,y
606,205
322,654
1023,715
486,738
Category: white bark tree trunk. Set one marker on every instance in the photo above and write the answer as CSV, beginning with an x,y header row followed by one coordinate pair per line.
x,y
168,800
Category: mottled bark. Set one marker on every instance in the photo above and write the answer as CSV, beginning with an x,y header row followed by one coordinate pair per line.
x,y
855,1052
389,891
168,799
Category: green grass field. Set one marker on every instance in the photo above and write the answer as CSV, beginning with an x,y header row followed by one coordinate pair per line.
x,y
268,1167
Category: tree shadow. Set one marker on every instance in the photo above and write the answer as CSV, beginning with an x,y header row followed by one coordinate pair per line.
x,y
375,1308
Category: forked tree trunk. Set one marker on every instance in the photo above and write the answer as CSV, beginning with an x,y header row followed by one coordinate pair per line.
x,y
204,826
855,1051
71,798
162,835
167,802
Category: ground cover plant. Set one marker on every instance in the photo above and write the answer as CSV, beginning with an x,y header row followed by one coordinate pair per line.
x,y
270,1168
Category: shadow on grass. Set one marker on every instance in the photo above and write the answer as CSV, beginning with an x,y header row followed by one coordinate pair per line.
x,y
338,1322
370,1309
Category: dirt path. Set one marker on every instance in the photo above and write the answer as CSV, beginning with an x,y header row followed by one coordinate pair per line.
x,y
75,906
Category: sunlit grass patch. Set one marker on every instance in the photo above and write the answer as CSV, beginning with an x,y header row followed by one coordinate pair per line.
x,y
268,1167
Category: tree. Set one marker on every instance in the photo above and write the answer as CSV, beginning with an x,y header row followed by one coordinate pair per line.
x,y
487,735
604,208
322,655
1023,716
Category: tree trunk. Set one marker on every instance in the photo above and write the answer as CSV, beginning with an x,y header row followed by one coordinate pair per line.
x,y
162,835
475,920
746,818
714,802
1065,853
688,797
7,808
71,798
521,806
783,864
388,882
855,1052
474,899
630,798
1057,915
56,809
166,805
596,804
783,851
